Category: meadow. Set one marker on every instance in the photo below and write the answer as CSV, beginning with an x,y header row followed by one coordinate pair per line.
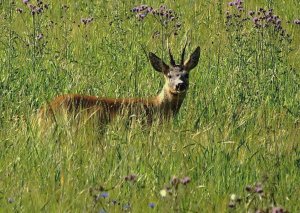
x,y
234,146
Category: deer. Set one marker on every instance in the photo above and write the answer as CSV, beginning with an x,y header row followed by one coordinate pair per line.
x,y
165,105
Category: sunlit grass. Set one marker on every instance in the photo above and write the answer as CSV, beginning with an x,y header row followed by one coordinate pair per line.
x,y
234,128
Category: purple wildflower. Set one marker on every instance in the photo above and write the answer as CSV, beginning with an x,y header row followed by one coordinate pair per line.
x,y
178,25
19,10
162,7
231,204
165,14
258,188
39,36
83,20
175,181
251,13
249,188
31,6
114,202
240,8
64,7
25,1
139,8
103,195
141,16
185,180
151,205
277,210
149,9
269,13
278,22
262,10
90,19
10,200
255,20
297,21
39,10
239,2
131,178
86,20
269,19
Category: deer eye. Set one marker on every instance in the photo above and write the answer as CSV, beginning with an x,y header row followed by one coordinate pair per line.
x,y
169,76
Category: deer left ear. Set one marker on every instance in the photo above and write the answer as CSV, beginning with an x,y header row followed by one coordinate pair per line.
x,y
193,60
158,64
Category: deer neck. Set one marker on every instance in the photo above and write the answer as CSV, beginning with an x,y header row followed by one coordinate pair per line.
x,y
168,102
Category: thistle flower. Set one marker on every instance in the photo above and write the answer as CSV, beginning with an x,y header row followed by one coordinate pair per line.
x,y
175,181
258,188
10,200
240,8
131,178
185,180
251,13
249,188
277,210
278,22
39,36
238,4
255,20
163,14
19,10
297,21
39,10
141,16
262,10
64,7
86,20
269,13
39,2
231,204
269,19
114,202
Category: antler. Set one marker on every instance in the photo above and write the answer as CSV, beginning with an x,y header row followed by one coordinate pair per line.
x,y
182,54
172,61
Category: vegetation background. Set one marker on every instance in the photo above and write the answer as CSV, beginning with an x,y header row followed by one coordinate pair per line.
x,y
233,147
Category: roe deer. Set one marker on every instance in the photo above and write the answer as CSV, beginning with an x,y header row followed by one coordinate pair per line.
x,y
165,105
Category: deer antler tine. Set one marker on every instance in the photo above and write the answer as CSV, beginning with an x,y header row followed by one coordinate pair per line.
x,y
172,61
183,53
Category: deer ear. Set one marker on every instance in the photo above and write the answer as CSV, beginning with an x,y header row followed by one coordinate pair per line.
x,y
158,64
193,60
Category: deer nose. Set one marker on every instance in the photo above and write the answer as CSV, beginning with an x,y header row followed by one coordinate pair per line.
x,y
181,87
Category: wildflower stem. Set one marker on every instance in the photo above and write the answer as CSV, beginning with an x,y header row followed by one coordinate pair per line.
x,y
34,43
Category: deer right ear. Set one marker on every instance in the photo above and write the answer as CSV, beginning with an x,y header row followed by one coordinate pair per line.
x,y
158,64
193,60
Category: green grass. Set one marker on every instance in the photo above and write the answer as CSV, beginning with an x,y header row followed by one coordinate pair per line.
x,y
238,126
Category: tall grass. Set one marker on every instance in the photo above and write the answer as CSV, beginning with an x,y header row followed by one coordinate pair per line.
x,y
237,131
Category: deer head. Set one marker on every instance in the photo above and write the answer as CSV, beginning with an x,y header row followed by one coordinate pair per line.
x,y
176,75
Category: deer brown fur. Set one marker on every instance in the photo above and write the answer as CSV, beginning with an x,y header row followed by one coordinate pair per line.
x,y
165,105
